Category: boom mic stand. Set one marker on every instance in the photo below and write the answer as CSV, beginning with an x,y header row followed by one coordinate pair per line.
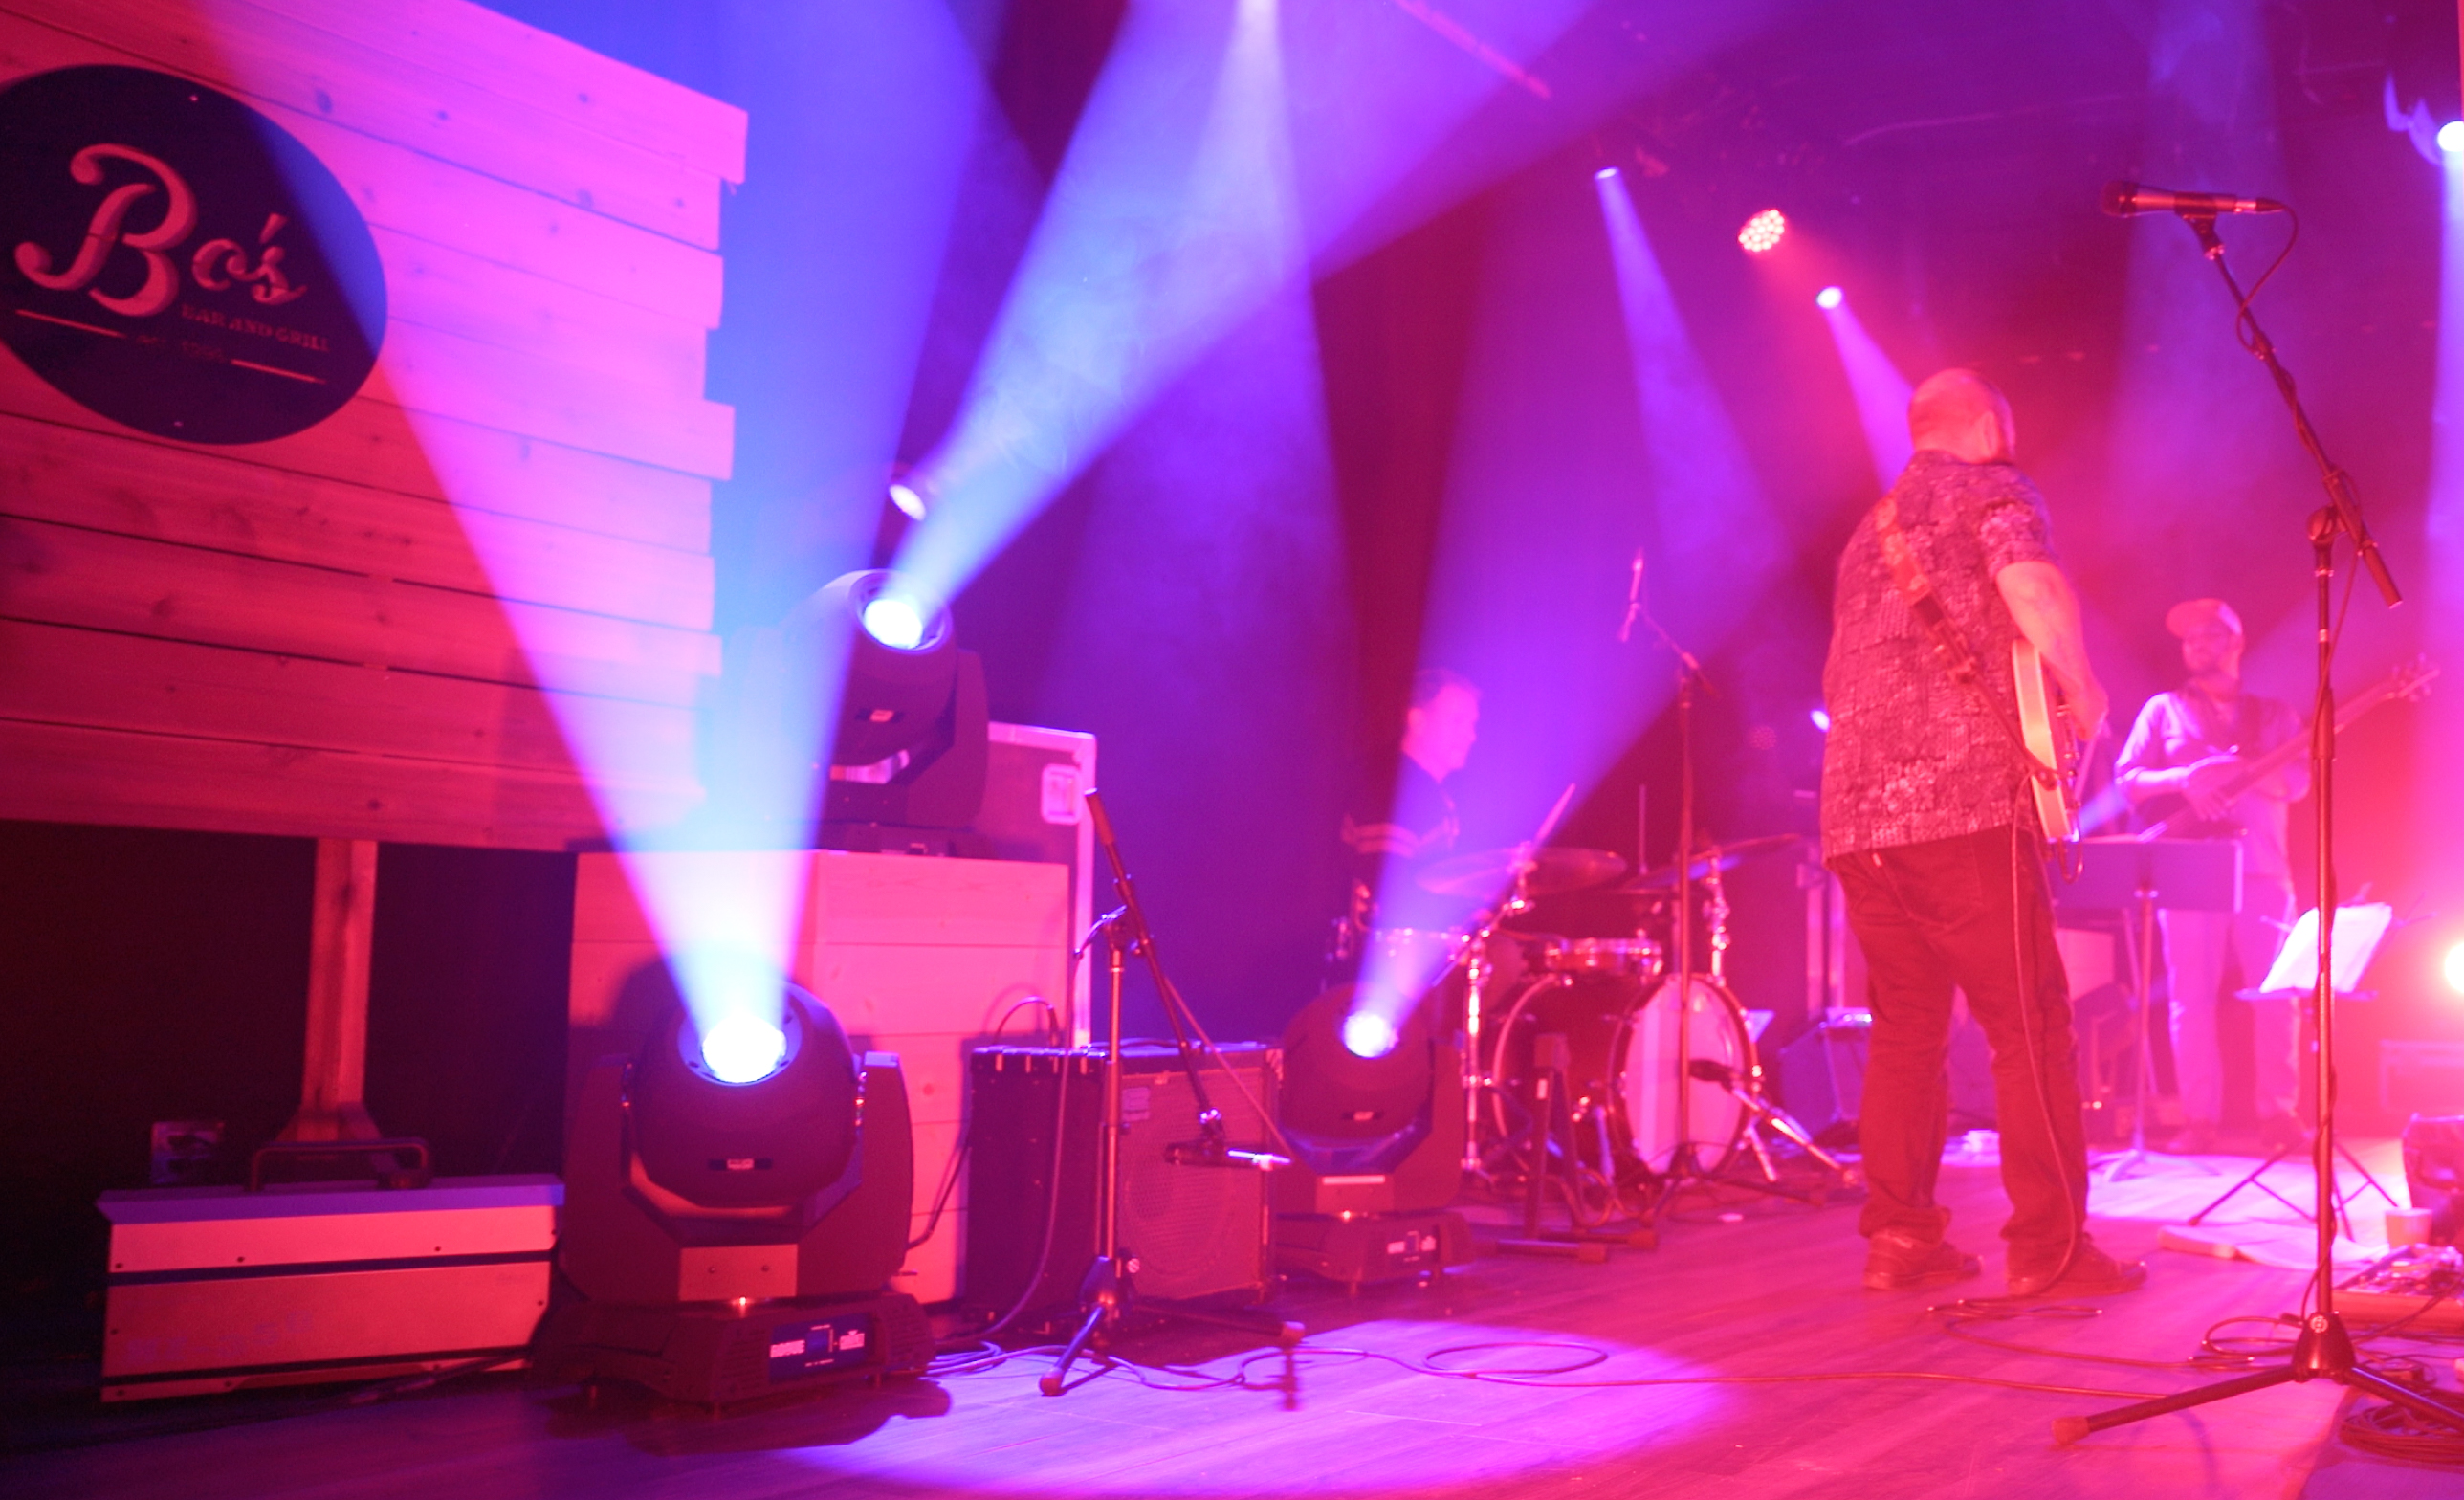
x,y
2323,1350
1108,1292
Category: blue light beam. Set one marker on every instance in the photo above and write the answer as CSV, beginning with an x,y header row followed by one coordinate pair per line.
x,y
856,184
1882,392
1172,216
2440,727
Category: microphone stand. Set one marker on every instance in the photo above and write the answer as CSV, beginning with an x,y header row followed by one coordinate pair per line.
x,y
1685,1164
1108,1292
2323,1348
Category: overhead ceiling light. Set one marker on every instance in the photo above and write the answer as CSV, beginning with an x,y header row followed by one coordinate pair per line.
x,y
1763,232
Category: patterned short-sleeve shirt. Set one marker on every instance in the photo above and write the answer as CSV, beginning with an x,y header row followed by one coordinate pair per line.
x,y
1912,755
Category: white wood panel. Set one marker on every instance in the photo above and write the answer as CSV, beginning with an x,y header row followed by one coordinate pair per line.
x,y
425,370
458,293
522,62
60,675
269,58
369,442
69,574
85,775
433,200
80,478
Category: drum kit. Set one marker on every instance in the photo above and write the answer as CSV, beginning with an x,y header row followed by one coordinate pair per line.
x,y
1650,1075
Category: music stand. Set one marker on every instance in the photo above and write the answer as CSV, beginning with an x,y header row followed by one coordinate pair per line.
x,y
2139,877
2352,943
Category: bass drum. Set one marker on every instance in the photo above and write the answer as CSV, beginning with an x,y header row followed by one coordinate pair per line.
x,y
1651,1086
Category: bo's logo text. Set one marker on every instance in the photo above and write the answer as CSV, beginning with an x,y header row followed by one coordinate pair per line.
x,y
205,227
215,266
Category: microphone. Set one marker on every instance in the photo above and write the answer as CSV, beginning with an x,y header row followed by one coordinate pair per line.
x,y
1633,600
2122,200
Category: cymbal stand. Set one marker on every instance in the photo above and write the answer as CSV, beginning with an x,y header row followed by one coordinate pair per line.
x,y
1478,970
2323,1349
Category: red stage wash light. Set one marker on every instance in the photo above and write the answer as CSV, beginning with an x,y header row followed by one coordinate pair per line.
x,y
1763,232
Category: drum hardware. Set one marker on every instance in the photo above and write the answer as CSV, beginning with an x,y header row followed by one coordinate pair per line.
x,y
1715,858
1555,1119
1521,863
1535,870
1546,1088
1767,1115
1640,957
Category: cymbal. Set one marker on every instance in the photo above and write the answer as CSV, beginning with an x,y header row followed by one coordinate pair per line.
x,y
1488,872
1728,856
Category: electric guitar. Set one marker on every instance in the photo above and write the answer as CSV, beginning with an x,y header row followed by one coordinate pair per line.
x,y
2172,812
2051,739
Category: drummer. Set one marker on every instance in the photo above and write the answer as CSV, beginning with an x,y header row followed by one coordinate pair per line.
x,y
1389,835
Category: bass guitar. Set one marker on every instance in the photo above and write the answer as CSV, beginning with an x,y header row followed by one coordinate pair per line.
x,y
2172,811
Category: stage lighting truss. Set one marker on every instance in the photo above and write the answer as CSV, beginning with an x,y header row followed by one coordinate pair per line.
x,y
1763,232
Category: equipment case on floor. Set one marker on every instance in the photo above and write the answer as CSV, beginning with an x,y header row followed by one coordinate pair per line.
x,y
215,1288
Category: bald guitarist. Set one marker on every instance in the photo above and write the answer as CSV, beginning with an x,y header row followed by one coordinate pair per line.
x,y
2186,766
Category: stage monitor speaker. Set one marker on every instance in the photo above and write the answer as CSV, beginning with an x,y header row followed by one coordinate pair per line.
x,y
1193,1231
1822,1075
2434,1173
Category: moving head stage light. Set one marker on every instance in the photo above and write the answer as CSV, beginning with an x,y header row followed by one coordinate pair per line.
x,y
911,748
735,1238
1378,1146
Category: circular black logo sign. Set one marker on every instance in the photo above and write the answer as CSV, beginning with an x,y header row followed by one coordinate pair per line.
x,y
174,260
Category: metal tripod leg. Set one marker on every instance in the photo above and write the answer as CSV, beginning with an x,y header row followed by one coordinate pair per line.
x,y
2343,1198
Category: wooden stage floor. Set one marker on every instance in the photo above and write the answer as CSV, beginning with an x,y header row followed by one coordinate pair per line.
x,y
1770,1294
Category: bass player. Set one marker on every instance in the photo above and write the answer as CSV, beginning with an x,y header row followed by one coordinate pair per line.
x,y
2185,754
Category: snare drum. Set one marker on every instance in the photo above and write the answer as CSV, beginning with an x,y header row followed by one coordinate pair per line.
x,y
1639,957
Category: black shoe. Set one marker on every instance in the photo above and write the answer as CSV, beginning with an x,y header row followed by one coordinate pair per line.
x,y
2092,1274
1898,1260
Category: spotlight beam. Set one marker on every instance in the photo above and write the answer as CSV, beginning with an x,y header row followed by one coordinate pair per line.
x,y
1880,391
1162,232
1178,213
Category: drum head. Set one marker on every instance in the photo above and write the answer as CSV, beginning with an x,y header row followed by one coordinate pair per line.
x,y
1663,1107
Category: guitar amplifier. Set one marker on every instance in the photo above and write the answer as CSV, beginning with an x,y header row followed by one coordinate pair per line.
x,y
1195,1232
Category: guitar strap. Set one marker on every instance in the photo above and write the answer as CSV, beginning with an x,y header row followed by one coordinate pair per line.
x,y
1949,645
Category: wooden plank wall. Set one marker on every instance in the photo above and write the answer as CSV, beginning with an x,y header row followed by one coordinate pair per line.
x,y
378,627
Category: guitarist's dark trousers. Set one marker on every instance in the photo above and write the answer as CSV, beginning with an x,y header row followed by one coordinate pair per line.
x,y
1966,913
